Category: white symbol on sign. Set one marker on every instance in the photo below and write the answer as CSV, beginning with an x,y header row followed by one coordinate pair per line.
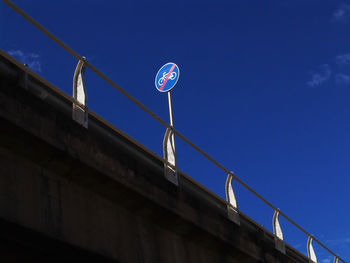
x,y
172,77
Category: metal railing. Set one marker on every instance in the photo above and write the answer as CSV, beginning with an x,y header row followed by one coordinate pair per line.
x,y
311,238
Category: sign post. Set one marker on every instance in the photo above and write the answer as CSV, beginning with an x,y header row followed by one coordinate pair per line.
x,y
171,110
165,80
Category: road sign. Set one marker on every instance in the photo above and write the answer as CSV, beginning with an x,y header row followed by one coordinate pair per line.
x,y
167,77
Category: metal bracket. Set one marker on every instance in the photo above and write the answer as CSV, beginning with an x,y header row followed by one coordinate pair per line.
x,y
310,250
277,230
80,108
232,206
169,151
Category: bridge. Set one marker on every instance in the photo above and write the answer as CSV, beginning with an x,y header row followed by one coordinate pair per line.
x,y
67,191
73,186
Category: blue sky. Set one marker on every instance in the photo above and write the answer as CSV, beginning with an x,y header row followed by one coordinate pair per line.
x,y
264,89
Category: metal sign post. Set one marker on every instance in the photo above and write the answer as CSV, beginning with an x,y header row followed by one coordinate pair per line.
x,y
171,110
166,79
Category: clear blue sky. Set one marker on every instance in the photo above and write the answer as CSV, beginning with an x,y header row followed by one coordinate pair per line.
x,y
264,89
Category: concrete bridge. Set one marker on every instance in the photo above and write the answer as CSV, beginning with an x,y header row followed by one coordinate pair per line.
x,y
70,193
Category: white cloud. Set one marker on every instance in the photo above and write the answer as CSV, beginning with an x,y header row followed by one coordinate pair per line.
x,y
343,59
319,77
326,260
31,59
339,242
343,80
342,14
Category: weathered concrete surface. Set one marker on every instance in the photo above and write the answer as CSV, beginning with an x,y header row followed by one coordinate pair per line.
x,y
67,192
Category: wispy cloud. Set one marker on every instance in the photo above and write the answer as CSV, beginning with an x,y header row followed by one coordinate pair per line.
x,y
298,245
326,260
343,60
340,242
31,59
320,76
342,79
342,14
337,71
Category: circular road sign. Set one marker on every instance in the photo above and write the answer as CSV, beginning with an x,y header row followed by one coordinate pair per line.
x,y
167,77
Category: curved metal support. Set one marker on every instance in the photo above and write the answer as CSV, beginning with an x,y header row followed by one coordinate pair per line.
x,y
169,151
310,250
80,108
277,230
232,207
336,260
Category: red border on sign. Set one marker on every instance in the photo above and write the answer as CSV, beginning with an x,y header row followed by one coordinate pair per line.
x,y
167,77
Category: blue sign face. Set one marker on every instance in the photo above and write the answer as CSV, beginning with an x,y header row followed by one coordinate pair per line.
x,y
167,77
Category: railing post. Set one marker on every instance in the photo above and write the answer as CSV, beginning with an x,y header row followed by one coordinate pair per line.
x,y
335,259
232,206
310,250
169,152
277,230
80,107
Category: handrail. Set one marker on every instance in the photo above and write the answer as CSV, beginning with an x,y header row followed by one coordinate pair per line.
x,y
160,120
